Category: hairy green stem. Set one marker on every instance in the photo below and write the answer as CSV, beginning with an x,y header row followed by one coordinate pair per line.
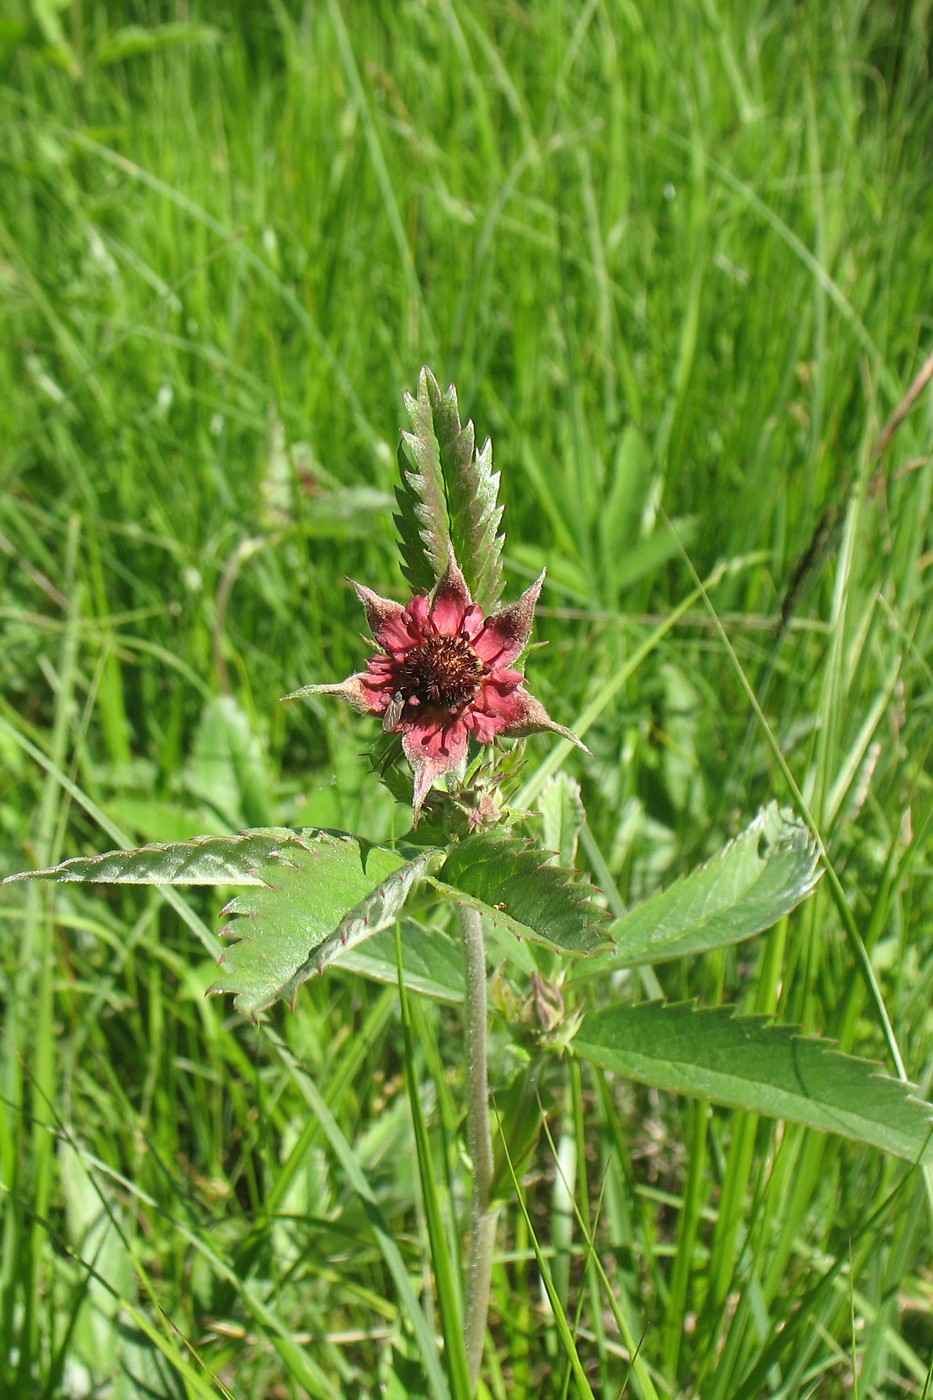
x,y
479,1139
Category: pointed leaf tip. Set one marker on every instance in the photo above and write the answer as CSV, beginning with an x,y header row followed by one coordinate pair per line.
x,y
205,860
749,1062
761,875
447,497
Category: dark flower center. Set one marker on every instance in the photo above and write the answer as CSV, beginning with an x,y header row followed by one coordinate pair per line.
x,y
442,671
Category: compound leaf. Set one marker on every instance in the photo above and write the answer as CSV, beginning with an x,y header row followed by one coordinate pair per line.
x,y
321,895
376,912
312,896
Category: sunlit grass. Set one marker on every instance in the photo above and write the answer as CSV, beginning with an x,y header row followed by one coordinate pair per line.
x,y
677,263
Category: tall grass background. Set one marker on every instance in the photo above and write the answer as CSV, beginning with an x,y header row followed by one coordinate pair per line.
x,y
677,260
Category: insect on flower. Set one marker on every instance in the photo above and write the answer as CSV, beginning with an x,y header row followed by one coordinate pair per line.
x,y
393,715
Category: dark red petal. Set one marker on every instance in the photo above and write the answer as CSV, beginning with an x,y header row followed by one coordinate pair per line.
x,y
451,602
432,751
506,633
419,609
473,622
398,635
506,707
505,679
484,726
379,691
436,735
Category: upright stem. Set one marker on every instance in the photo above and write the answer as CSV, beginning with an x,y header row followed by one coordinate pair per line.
x,y
479,1140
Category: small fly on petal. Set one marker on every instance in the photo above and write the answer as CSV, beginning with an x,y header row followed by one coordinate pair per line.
x,y
393,715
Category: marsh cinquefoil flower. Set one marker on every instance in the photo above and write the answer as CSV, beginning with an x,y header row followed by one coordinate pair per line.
x,y
443,673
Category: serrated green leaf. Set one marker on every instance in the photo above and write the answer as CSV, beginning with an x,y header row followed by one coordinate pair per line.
x,y
420,551
423,526
511,882
562,816
748,1062
206,860
751,883
448,497
475,515
432,960
375,913
309,889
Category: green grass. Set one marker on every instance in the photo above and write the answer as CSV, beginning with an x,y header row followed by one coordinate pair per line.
x,y
676,260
